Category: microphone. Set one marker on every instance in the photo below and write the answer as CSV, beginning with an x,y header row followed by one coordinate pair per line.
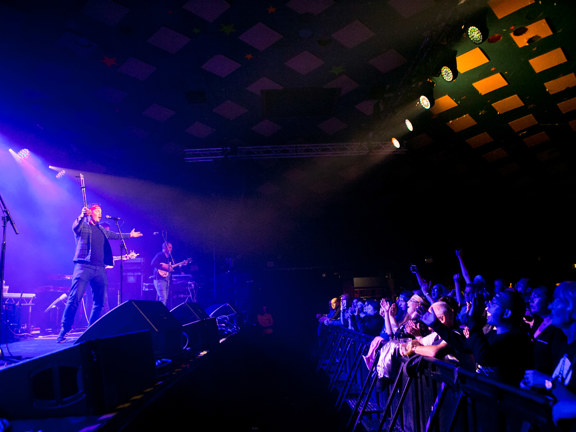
x,y
112,217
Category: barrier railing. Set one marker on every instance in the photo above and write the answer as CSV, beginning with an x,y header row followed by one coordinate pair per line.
x,y
422,394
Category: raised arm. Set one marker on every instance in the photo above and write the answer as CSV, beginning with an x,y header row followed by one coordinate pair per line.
x,y
385,312
463,268
419,278
458,292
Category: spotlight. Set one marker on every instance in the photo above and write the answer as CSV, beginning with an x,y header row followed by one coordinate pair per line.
x,y
24,154
476,28
408,124
425,102
449,70
475,34
396,143
426,98
448,73
60,174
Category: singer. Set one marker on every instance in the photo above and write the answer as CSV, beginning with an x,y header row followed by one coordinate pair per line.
x,y
93,253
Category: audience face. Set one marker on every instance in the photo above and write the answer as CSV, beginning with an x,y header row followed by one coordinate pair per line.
x,y
564,305
334,303
401,303
413,305
437,291
468,293
369,308
522,286
539,302
495,311
499,286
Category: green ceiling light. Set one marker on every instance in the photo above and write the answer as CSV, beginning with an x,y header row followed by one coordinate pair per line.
x,y
476,28
475,34
447,73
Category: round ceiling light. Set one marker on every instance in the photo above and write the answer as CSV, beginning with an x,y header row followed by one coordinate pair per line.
x,y
425,102
396,143
408,124
447,73
475,34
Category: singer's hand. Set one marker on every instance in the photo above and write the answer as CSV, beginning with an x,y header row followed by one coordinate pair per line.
x,y
134,233
86,212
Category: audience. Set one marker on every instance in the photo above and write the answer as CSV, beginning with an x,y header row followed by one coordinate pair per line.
x,y
433,345
548,339
560,383
518,335
371,323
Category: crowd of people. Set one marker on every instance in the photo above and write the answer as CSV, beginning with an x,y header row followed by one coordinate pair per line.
x,y
520,334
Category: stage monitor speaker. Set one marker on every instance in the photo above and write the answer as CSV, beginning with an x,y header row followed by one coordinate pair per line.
x,y
218,310
90,378
136,315
188,312
202,335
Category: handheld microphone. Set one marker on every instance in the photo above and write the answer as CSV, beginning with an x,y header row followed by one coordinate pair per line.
x,y
112,217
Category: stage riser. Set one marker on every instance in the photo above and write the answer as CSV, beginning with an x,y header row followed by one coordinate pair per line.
x,y
89,378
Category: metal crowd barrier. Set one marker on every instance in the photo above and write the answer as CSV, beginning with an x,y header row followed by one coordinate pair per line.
x,y
422,394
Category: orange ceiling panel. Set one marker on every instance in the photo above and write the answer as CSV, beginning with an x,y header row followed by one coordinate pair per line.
x,y
501,8
562,83
479,140
490,84
442,104
470,60
539,29
548,60
567,105
523,123
507,104
536,139
461,123
495,155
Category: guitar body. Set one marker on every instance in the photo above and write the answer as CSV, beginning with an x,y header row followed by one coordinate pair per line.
x,y
165,273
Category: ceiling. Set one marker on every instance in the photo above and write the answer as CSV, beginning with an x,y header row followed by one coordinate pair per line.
x,y
295,103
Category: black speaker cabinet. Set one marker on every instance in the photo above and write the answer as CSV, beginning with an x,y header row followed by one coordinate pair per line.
x,y
85,379
137,315
201,330
188,312
202,335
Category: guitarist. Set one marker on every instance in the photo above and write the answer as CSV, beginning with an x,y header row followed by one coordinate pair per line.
x,y
163,266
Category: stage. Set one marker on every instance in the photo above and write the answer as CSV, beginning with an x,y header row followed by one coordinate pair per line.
x,y
133,381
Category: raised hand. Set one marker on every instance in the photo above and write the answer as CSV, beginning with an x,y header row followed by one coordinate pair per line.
x,y
428,317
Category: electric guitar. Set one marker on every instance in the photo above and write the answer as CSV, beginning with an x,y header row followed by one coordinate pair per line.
x,y
165,273
131,255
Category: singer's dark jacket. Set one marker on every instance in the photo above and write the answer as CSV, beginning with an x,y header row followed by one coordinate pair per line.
x,y
83,233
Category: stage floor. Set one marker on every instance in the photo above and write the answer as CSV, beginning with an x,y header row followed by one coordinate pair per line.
x,y
29,347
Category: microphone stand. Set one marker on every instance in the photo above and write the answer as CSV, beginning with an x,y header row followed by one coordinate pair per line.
x,y
122,247
169,277
5,218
